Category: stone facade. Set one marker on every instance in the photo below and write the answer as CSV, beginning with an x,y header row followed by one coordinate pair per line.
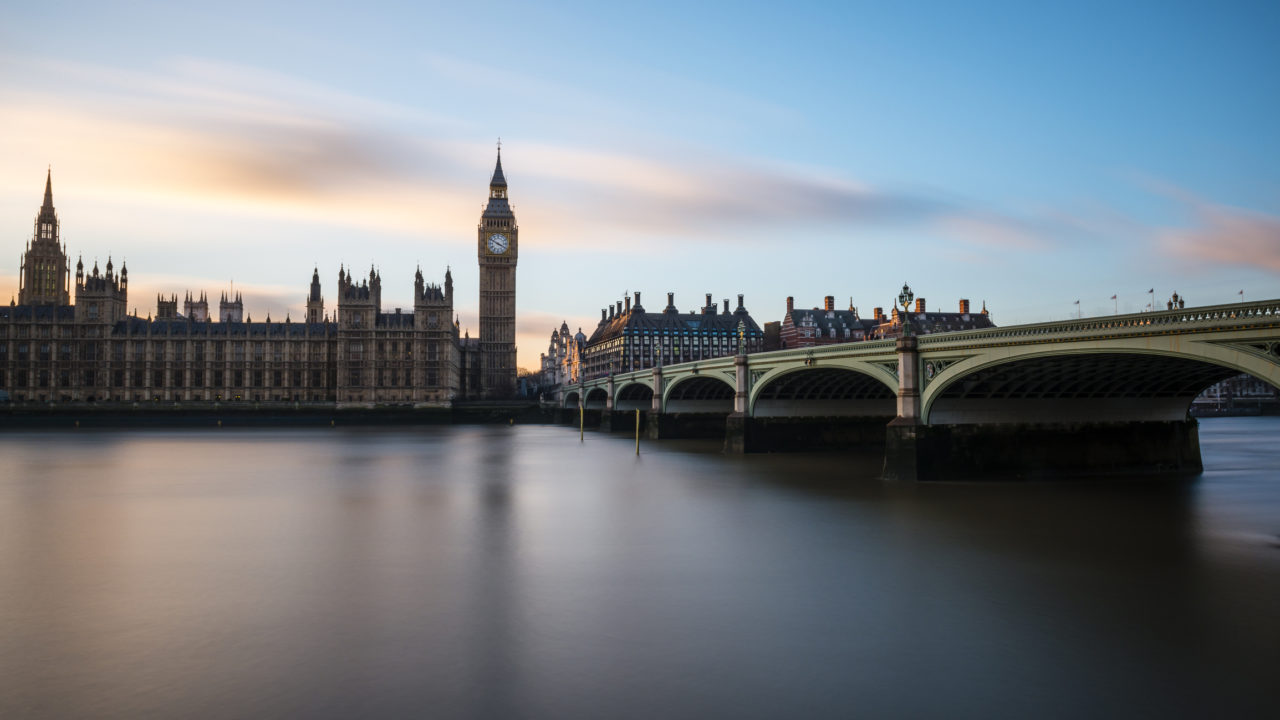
x,y
92,351
829,326
628,338
497,249
45,271
561,364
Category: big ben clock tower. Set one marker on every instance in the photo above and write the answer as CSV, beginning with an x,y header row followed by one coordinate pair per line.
x,y
498,248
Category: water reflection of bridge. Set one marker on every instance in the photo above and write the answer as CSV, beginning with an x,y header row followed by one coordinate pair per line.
x,y
1107,394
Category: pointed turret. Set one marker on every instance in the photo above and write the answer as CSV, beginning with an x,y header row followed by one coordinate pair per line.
x,y
499,180
47,213
498,206
315,301
45,271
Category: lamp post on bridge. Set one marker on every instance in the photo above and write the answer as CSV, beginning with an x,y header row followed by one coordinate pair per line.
x,y
904,299
905,433
736,428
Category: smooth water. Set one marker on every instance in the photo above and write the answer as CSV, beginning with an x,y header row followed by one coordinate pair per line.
x,y
512,572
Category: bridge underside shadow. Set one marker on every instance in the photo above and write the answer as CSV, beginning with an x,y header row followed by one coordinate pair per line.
x,y
694,408
814,408
1059,416
1077,388
630,407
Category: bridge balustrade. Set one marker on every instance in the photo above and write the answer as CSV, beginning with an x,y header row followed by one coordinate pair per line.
x,y
1037,387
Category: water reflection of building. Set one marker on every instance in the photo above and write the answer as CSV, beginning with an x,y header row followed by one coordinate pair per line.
x,y
93,350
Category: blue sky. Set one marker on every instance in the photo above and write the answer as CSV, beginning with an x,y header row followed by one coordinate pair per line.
x,y
1022,154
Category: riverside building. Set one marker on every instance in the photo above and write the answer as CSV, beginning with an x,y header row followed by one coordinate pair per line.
x,y
629,338
93,350
829,326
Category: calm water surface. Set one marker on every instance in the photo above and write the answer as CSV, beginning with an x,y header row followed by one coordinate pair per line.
x,y
500,572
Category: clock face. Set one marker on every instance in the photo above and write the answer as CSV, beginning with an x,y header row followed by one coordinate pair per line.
x,y
497,243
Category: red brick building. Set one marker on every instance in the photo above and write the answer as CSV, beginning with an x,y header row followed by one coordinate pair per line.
x,y
828,326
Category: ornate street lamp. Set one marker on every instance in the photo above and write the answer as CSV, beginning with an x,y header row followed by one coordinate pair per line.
x,y
742,337
904,299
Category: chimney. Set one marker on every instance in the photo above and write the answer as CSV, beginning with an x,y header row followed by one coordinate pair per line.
x,y
879,313
726,306
619,308
610,312
829,303
637,299
791,303
628,306
602,315
671,300
709,303
740,303
964,305
919,305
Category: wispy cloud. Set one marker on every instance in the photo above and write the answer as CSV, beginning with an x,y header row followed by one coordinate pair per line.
x,y
241,140
993,231
1227,236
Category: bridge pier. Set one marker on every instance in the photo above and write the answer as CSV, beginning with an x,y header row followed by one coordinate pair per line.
x,y
903,451
737,425
666,426
1042,450
591,417
786,434
902,442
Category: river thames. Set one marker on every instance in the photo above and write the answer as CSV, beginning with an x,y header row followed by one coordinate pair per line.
x,y
513,572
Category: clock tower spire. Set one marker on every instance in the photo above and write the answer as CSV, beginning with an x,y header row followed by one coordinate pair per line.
x,y
497,250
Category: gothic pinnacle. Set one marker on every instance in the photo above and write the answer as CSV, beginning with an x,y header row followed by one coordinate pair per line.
x,y
498,178
48,189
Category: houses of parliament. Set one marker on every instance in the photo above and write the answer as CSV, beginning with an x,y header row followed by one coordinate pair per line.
x,y
53,350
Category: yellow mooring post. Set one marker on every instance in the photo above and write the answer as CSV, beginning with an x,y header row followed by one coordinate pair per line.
x,y
581,423
637,431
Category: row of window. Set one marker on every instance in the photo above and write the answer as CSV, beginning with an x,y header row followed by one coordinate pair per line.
x,y
156,378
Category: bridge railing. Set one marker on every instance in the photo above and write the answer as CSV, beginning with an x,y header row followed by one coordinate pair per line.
x,y
1211,317
1161,322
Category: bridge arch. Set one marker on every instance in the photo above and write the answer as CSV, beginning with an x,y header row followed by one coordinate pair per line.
x,y
702,393
634,395
596,399
854,389
1131,379
570,399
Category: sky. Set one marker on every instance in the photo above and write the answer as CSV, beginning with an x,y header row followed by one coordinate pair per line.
x,y
1025,155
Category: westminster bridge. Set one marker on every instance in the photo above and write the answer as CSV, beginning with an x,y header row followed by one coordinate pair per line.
x,y
1093,395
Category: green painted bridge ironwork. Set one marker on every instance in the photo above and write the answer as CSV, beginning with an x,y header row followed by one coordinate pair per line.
x,y
1076,376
